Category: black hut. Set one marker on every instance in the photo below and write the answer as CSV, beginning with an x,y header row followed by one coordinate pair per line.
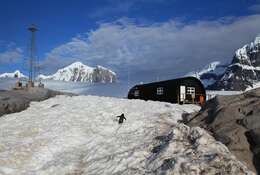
x,y
182,90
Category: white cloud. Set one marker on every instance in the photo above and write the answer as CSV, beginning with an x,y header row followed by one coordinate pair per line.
x,y
11,55
165,49
255,8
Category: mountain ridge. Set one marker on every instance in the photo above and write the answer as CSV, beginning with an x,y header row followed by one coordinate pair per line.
x,y
79,72
75,72
242,73
15,74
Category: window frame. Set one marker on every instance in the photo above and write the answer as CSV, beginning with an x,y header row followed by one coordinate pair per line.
x,y
160,91
190,90
136,93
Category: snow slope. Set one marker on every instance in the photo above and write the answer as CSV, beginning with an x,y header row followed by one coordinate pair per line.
x,y
80,135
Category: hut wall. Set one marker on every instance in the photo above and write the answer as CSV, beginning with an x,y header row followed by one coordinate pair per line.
x,y
171,90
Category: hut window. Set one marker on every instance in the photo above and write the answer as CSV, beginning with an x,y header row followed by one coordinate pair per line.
x,y
160,91
136,93
191,90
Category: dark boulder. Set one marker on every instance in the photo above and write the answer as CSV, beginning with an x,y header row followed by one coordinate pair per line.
x,y
235,121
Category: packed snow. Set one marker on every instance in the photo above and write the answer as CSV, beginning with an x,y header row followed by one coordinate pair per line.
x,y
81,135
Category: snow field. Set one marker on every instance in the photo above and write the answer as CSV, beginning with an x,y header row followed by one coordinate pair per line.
x,y
80,135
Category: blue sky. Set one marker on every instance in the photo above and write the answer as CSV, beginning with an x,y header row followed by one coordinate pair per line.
x,y
148,37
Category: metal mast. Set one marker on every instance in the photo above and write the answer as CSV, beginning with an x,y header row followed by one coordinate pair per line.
x,y
32,59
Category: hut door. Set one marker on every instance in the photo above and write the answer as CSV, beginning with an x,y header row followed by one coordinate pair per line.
x,y
182,93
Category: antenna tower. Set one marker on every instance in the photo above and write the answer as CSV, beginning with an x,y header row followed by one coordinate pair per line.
x,y
32,59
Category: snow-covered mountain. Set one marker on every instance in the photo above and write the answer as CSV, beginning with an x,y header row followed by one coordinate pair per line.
x,y
81,135
78,72
15,74
210,73
243,71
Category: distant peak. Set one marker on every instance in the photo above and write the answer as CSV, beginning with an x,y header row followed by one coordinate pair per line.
x,y
16,74
76,63
80,72
101,67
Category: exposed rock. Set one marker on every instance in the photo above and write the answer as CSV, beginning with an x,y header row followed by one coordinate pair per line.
x,y
243,72
235,121
18,100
